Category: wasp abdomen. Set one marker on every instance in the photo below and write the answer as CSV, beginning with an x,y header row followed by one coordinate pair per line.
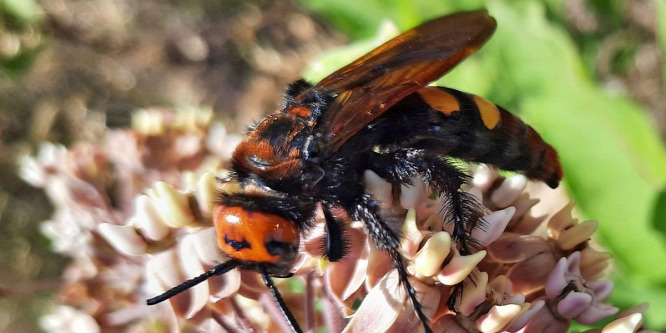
x,y
487,133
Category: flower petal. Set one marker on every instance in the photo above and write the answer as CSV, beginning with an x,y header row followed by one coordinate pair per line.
x,y
509,191
147,219
628,323
172,205
206,192
429,259
192,267
595,313
530,275
379,264
601,289
474,293
380,189
526,316
411,235
574,236
387,308
573,304
123,238
459,268
498,317
494,225
484,176
557,281
411,195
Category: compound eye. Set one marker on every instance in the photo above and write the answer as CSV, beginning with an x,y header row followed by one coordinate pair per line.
x,y
276,247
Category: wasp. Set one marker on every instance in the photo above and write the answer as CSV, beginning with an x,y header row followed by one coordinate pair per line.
x,y
377,113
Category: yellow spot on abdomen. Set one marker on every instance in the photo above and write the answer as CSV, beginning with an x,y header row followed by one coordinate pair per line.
x,y
439,100
489,112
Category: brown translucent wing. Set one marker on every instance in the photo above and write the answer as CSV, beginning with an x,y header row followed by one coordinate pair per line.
x,y
373,83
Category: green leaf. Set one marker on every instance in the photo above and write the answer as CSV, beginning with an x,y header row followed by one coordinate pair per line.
x,y
659,213
628,293
22,11
359,19
335,59
349,16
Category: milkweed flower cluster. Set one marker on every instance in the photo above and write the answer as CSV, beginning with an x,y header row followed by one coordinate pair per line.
x,y
134,215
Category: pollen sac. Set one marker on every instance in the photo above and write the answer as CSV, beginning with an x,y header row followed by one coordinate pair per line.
x,y
256,237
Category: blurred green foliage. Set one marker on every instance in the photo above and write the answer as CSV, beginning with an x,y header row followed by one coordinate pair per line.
x,y
613,156
20,12
19,36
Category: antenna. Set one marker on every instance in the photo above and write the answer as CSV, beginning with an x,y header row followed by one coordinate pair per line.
x,y
217,270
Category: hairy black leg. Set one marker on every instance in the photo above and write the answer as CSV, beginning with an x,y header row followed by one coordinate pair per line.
x,y
281,304
217,270
445,178
461,206
336,243
455,206
388,240
406,164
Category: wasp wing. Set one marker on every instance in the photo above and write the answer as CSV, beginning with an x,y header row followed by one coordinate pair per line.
x,y
370,85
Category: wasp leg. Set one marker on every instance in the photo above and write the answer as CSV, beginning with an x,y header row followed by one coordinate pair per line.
x,y
336,243
280,302
388,240
404,165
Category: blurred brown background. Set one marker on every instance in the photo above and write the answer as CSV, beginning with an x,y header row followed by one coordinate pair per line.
x,y
76,66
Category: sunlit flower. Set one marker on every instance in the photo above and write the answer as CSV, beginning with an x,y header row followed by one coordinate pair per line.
x,y
67,319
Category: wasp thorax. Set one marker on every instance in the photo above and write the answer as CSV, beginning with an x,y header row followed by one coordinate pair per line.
x,y
274,148
256,237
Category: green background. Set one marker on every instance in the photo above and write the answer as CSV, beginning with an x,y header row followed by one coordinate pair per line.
x,y
613,156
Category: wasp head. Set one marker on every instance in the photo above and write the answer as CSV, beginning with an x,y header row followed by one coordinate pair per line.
x,y
257,238
261,228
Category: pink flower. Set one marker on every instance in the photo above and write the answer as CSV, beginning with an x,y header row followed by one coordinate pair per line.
x,y
135,215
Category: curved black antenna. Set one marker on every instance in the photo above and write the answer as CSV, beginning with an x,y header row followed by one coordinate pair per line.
x,y
280,302
217,270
